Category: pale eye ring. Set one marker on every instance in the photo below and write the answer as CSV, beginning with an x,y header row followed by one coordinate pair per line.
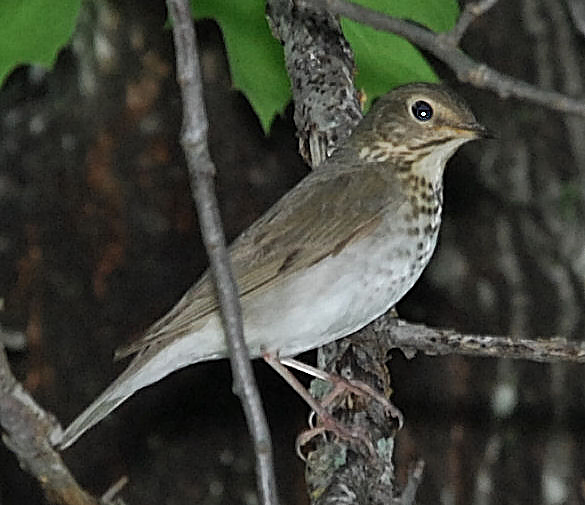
x,y
421,110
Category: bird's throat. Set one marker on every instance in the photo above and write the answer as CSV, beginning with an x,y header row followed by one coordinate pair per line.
x,y
432,164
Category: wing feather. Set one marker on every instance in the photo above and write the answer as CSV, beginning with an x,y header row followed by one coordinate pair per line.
x,y
329,208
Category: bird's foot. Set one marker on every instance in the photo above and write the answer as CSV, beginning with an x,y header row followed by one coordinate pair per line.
x,y
342,386
327,423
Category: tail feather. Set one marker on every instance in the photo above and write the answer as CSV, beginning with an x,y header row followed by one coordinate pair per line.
x,y
149,366
116,393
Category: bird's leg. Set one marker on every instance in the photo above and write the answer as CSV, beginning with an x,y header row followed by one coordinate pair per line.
x,y
342,385
328,422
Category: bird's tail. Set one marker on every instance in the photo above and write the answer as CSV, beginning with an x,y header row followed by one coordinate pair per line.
x,y
148,366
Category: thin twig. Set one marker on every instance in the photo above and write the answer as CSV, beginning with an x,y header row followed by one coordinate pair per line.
x,y
27,429
110,495
202,171
465,68
470,13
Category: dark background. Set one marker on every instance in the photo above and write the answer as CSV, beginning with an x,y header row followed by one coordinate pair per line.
x,y
98,238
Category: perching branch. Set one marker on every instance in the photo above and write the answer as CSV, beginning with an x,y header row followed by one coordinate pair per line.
x,y
443,47
202,174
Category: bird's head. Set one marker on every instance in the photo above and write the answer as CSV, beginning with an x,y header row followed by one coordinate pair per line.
x,y
414,126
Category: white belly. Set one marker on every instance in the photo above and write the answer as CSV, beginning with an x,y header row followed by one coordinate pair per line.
x,y
332,299
335,297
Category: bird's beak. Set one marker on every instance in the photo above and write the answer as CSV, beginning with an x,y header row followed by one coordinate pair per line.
x,y
476,131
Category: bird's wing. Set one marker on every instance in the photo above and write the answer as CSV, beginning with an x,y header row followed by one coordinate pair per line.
x,y
328,209
316,219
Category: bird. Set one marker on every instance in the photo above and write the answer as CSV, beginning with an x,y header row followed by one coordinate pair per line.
x,y
334,253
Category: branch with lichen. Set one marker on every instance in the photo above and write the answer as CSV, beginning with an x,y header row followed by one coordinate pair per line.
x,y
27,434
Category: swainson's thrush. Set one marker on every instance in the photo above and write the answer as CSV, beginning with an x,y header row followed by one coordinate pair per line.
x,y
331,255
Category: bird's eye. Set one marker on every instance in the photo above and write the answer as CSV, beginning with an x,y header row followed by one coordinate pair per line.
x,y
422,110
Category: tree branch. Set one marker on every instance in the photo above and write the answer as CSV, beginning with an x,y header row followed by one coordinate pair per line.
x,y
202,172
28,428
320,64
470,13
442,46
411,337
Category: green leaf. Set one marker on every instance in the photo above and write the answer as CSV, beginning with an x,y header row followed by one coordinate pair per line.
x,y
256,58
385,60
33,31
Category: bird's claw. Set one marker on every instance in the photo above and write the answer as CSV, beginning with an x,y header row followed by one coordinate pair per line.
x,y
360,388
341,431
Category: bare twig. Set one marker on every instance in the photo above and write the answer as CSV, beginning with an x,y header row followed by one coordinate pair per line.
x,y
202,172
110,495
27,428
417,337
466,69
470,13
